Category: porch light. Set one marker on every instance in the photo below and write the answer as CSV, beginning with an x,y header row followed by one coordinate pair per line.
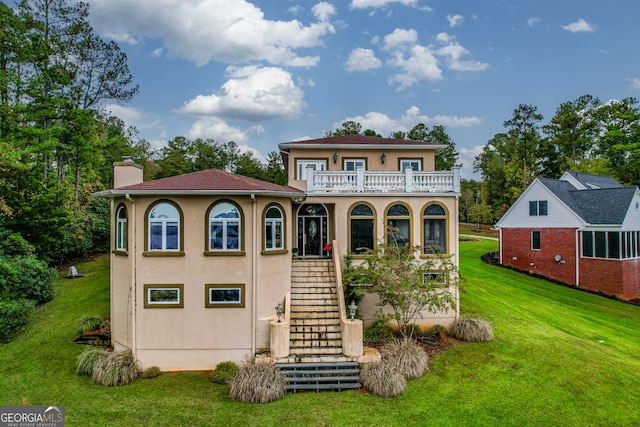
x,y
279,310
352,310
335,157
383,158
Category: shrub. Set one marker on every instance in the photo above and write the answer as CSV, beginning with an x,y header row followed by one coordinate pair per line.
x,y
14,315
436,331
151,372
88,359
118,368
105,326
381,332
257,382
224,372
382,379
407,357
29,278
89,323
414,331
472,330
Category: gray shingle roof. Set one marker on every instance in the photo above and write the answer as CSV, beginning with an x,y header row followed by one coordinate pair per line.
x,y
607,205
595,181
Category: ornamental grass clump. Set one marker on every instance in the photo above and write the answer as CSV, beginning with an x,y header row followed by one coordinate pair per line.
x,y
407,357
88,359
151,372
118,368
224,372
472,330
383,379
89,323
257,382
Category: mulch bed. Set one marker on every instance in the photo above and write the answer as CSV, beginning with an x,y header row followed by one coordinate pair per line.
x,y
442,343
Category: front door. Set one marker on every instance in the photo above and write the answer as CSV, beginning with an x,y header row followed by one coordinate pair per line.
x,y
312,230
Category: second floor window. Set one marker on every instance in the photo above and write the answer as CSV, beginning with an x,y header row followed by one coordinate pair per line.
x,y
121,228
273,228
353,164
301,167
164,228
415,164
538,208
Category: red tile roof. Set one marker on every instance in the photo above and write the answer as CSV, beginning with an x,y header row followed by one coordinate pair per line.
x,y
212,180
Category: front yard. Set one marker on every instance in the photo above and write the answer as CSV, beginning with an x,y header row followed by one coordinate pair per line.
x,y
560,357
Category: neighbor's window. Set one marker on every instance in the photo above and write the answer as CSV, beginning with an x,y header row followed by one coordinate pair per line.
x,y
225,227
121,228
538,208
164,296
398,220
434,229
362,223
164,227
224,296
353,164
535,240
273,228
415,164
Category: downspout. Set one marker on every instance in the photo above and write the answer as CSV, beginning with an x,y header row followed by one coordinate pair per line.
x,y
254,273
500,245
132,274
577,257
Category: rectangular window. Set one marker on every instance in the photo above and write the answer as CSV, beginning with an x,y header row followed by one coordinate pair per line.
x,y
415,164
587,244
353,164
317,165
600,244
224,296
163,296
613,241
435,236
535,240
538,208
361,235
172,236
437,278
155,239
121,236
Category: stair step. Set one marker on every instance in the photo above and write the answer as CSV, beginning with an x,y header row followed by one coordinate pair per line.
x,y
309,336
306,321
315,343
317,300
315,329
314,350
319,376
324,308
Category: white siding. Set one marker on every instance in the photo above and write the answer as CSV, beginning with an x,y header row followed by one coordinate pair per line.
x,y
558,214
632,218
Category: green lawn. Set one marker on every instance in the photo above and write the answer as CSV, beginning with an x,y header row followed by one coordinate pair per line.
x,y
560,358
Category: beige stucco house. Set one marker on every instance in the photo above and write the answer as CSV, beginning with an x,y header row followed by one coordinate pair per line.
x,y
200,261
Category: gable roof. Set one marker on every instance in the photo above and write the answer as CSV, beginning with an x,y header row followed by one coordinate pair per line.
x,y
210,181
360,141
607,205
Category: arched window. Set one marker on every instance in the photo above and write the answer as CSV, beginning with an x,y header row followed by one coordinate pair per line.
x,y
434,224
121,228
273,228
362,228
164,222
225,227
398,220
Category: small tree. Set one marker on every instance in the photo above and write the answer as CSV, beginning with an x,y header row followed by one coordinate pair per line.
x,y
407,285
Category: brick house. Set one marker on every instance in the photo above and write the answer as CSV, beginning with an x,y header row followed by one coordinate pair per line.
x,y
200,261
581,229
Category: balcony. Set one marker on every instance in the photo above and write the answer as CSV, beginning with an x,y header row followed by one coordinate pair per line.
x,y
362,181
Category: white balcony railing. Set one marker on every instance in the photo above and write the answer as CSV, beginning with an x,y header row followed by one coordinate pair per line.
x,y
361,181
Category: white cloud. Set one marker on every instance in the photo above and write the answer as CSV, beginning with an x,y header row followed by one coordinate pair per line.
x,y
219,130
453,51
466,158
455,20
363,4
252,94
197,31
635,83
156,53
323,11
129,115
362,60
580,26
419,64
400,37
531,22
386,125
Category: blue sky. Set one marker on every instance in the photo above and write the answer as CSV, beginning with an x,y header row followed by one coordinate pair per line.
x,y
263,72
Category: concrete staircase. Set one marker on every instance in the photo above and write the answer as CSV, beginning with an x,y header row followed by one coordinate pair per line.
x,y
316,361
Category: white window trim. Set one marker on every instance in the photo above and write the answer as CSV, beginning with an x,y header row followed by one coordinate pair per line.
x,y
121,229
404,163
163,222
301,167
274,222
354,161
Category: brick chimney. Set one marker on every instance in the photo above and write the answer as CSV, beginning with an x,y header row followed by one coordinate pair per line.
x,y
126,172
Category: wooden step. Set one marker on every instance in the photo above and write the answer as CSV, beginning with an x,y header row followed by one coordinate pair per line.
x,y
317,376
